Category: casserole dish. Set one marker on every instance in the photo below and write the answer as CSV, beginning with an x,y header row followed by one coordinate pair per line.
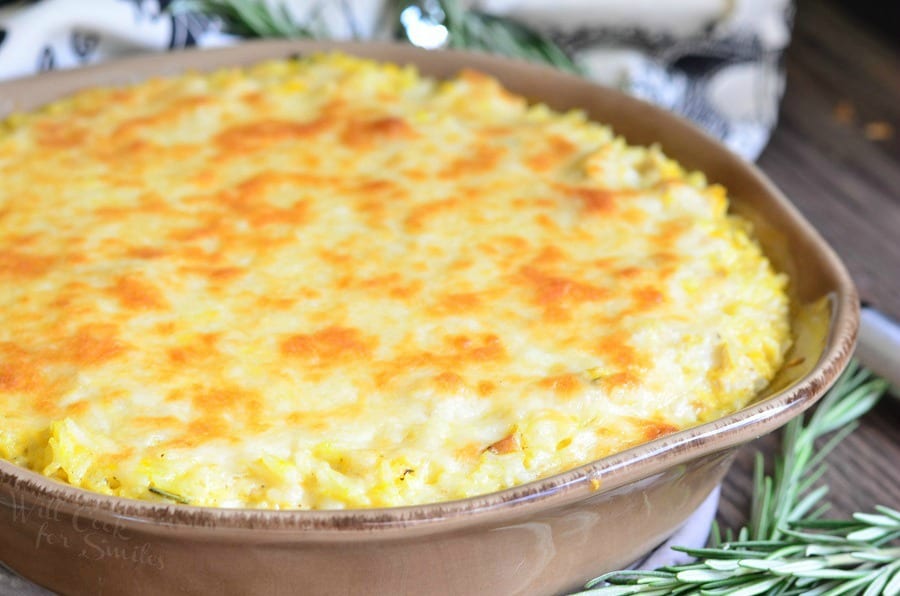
x,y
541,537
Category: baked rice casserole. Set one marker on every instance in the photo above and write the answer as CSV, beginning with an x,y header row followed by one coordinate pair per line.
x,y
332,283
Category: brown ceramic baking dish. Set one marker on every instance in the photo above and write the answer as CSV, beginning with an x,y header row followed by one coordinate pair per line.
x,y
544,537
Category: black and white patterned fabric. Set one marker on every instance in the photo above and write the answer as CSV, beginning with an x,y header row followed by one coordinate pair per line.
x,y
52,34
718,62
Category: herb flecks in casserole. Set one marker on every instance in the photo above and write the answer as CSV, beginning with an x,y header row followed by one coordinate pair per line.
x,y
334,283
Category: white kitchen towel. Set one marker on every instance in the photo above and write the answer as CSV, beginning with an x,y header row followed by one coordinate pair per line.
x,y
718,62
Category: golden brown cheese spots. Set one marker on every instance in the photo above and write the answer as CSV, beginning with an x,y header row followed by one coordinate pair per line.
x,y
505,246
553,154
16,264
375,199
196,351
469,453
481,86
131,130
420,216
616,351
299,280
507,444
375,186
94,344
669,234
480,159
59,135
552,290
618,380
458,351
458,303
546,223
645,298
256,100
71,298
329,346
148,203
216,274
28,369
626,273
654,429
214,401
595,200
370,133
549,256
339,261
391,285
262,134
623,365
222,412
565,386
448,382
634,216
134,293
484,347
157,422
210,228
284,303
486,388
18,369
251,200
201,431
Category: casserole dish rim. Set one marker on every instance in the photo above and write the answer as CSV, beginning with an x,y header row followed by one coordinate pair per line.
x,y
611,472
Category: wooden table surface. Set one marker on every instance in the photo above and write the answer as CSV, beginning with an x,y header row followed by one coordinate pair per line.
x,y
836,154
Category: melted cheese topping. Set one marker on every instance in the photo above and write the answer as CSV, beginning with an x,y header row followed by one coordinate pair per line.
x,y
333,283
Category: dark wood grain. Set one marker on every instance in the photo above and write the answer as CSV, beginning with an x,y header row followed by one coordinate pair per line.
x,y
841,78
863,470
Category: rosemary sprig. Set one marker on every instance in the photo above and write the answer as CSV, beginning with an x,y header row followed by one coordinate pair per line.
x,y
787,548
474,30
253,18
465,28
169,495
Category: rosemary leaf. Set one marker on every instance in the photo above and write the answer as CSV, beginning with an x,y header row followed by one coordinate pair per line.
x,y
786,548
249,18
169,495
